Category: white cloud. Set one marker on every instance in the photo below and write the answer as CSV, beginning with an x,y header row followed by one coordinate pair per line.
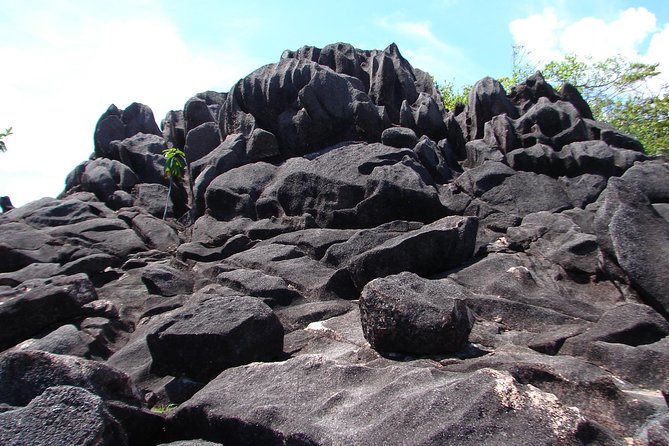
x,y
598,39
65,65
547,36
538,33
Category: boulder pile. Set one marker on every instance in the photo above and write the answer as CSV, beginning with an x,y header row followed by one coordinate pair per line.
x,y
355,265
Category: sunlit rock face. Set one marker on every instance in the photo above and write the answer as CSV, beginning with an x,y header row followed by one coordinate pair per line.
x,y
344,261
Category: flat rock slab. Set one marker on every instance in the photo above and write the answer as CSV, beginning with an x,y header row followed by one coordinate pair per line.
x,y
320,401
213,333
436,247
33,311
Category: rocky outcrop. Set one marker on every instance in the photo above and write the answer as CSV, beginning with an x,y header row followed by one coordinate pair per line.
x,y
355,264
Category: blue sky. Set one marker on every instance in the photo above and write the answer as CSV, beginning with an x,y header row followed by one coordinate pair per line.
x,y
65,61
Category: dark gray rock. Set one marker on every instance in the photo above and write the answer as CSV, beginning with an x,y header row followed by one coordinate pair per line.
x,y
26,374
90,265
521,292
487,98
484,177
229,154
108,235
49,212
196,113
552,123
62,415
235,192
323,401
30,272
400,137
165,280
598,395
29,313
314,242
436,247
526,94
525,193
357,185
191,443
201,141
408,314
296,317
120,199
628,323
22,245
101,176
425,115
651,177
138,118
557,238
478,152
587,157
65,340
156,233
316,107
321,283
261,145
630,230
570,94
109,128
213,333
271,290
538,158
153,198
174,129
583,189
202,253
500,134
391,80
339,254
431,156
143,153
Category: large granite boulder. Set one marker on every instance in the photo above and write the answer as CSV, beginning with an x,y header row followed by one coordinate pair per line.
x,y
213,333
630,230
405,313
62,415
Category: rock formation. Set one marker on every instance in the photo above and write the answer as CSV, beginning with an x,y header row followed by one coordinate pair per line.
x,y
356,265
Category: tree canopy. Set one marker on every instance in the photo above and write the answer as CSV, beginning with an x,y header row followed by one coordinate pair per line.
x,y
617,90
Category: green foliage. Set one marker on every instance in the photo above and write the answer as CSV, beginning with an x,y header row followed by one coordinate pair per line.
x,y
175,163
451,96
162,408
646,118
616,90
7,132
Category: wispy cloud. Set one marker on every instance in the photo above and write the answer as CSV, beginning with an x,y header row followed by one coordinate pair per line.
x,y
426,50
63,66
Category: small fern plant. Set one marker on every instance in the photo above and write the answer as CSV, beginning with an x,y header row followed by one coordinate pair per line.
x,y
175,166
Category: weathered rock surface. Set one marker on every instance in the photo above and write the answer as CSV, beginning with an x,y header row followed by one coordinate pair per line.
x,y
214,333
62,415
321,401
354,264
407,314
